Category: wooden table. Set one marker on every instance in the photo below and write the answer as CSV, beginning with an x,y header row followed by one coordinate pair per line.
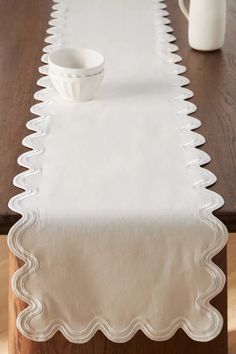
x,y
213,80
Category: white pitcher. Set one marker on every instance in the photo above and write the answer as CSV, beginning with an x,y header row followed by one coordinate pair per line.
x,y
207,20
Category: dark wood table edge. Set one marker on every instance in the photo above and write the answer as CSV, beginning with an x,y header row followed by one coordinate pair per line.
x,y
7,221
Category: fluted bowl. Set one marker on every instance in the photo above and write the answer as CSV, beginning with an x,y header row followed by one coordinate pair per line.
x,y
76,74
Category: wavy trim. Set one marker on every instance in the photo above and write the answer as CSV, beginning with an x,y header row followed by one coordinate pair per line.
x,y
29,217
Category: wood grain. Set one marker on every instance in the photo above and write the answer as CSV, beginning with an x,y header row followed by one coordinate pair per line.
x,y
22,29
213,80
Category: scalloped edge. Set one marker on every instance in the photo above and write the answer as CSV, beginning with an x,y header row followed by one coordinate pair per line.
x,y
29,217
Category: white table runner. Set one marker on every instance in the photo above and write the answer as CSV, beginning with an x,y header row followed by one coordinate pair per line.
x,y
117,231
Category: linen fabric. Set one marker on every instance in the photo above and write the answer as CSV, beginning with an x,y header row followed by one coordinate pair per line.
x,y
117,231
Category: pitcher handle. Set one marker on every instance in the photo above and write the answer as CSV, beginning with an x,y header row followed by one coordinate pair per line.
x,y
183,9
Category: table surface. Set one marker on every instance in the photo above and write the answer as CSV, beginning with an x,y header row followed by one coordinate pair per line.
x,y
23,27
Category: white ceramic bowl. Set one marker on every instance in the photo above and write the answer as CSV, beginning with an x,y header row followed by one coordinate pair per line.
x,y
76,74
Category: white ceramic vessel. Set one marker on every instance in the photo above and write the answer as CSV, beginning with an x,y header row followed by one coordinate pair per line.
x,y
76,74
207,22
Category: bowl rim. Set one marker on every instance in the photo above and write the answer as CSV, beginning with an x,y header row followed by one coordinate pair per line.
x,y
76,71
69,77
